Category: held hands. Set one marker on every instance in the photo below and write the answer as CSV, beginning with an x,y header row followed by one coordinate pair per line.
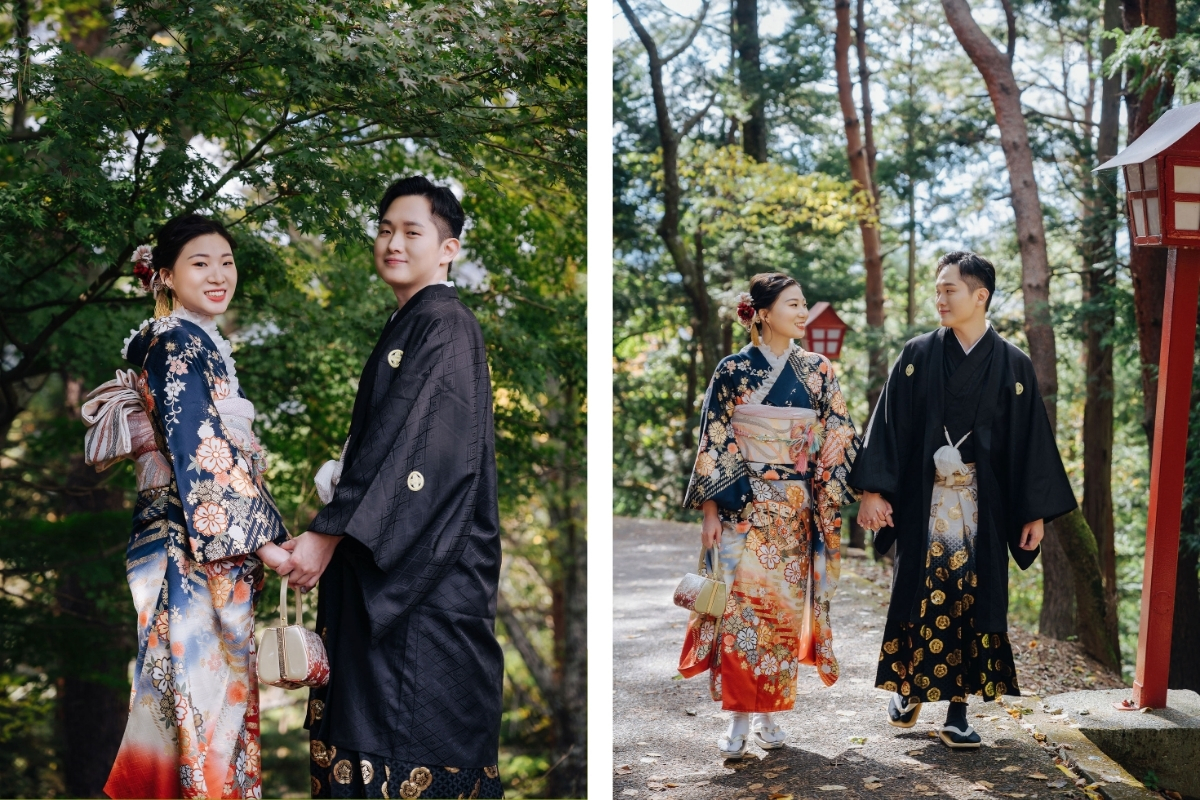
x,y
310,554
1032,533
273,555
874,512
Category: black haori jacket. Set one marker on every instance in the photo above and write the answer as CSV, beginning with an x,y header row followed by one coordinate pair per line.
x,y
1019,472
407,605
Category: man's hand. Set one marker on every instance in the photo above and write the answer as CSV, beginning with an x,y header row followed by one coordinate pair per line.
x,y
311,552
874,512
1031,534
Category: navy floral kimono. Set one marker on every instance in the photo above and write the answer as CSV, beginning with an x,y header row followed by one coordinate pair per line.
x,y
193,721
782,526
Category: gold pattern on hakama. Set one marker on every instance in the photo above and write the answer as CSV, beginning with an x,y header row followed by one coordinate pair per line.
x,y
945,613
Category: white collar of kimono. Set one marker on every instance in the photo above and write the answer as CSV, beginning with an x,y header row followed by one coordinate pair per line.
x,y
967,350
209,325
777,364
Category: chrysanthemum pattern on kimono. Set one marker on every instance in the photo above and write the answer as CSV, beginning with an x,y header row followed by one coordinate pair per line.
x,y
782,528
193,727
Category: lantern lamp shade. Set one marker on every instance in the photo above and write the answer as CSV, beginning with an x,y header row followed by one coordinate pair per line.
x,y
825,331
1162,181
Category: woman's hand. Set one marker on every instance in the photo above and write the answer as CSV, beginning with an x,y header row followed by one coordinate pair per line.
x,y
874,512
710,530
273,555
1031,534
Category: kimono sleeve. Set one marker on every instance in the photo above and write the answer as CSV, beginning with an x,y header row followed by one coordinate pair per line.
x,y
881,456
228,512
719,473
408,492
1039,478
840,446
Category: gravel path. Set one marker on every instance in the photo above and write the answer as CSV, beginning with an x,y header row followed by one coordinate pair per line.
x,y
665,728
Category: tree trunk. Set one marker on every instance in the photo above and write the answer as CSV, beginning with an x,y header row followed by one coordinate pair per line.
x,y
860,171
1148,265
1090,600
694,284
1185,627
90,749
749,67
993,65
1099,264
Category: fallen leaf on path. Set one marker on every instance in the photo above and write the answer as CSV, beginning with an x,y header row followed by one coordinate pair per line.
x,y
1058,784
754,787
770,775
870,779
920,787
624,769
1015,794
915,752
775,789
873,785
985,784
858,740
648,760
1011,768
654,755
1037,776
691,712
831,787
630,791
779,797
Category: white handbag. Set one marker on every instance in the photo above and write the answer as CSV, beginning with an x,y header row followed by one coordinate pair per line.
x,y
292,656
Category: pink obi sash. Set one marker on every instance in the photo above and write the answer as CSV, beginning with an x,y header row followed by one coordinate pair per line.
x,y
777,435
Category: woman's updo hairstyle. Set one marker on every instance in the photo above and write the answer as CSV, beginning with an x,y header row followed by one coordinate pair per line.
x,y
169,242
765,288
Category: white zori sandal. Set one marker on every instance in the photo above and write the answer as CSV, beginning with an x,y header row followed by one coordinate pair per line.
x,y
766,733
734,744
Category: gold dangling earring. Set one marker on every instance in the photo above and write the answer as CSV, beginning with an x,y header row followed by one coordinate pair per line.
x,y
162,302
754,323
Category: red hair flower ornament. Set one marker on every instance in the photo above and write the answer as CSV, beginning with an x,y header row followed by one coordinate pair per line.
x,y
745,310
143,266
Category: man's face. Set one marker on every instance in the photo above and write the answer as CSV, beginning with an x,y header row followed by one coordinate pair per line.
x,y
957,302
409,250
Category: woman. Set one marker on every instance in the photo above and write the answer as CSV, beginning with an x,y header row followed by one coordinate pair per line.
x,y
776,447
203,526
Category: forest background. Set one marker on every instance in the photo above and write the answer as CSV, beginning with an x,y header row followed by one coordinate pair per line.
x,y
287,119
850,143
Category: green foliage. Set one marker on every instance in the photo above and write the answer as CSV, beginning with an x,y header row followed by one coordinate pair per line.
x,y
287,120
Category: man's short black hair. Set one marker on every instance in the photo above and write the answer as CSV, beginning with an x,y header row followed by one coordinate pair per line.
x,y
976,271
448,213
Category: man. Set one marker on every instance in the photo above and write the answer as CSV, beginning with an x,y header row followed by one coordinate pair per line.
x,y
408,548
958,468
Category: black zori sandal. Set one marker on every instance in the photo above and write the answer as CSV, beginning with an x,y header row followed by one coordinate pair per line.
x,y
958,739
903,713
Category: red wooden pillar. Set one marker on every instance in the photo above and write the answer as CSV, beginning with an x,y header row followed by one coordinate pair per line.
x,y
1166,477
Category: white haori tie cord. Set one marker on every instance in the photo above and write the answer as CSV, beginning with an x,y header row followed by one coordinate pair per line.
x,y
948,460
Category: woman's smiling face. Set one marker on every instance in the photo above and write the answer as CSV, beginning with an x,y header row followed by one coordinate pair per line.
x,y
204,275
788,315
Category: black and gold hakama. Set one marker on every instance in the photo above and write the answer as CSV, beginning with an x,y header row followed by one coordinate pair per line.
x,y
943,655
338,773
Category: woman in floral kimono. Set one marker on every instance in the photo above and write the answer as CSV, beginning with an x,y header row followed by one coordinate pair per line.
x,y
776,447
203,526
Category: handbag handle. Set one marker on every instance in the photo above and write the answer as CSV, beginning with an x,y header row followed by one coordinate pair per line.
x,y
283,615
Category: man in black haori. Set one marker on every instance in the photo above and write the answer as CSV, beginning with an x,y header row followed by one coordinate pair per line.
x,y
958,468
408,548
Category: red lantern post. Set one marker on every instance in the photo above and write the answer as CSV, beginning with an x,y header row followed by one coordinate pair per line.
x,y
1162,179
825,331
